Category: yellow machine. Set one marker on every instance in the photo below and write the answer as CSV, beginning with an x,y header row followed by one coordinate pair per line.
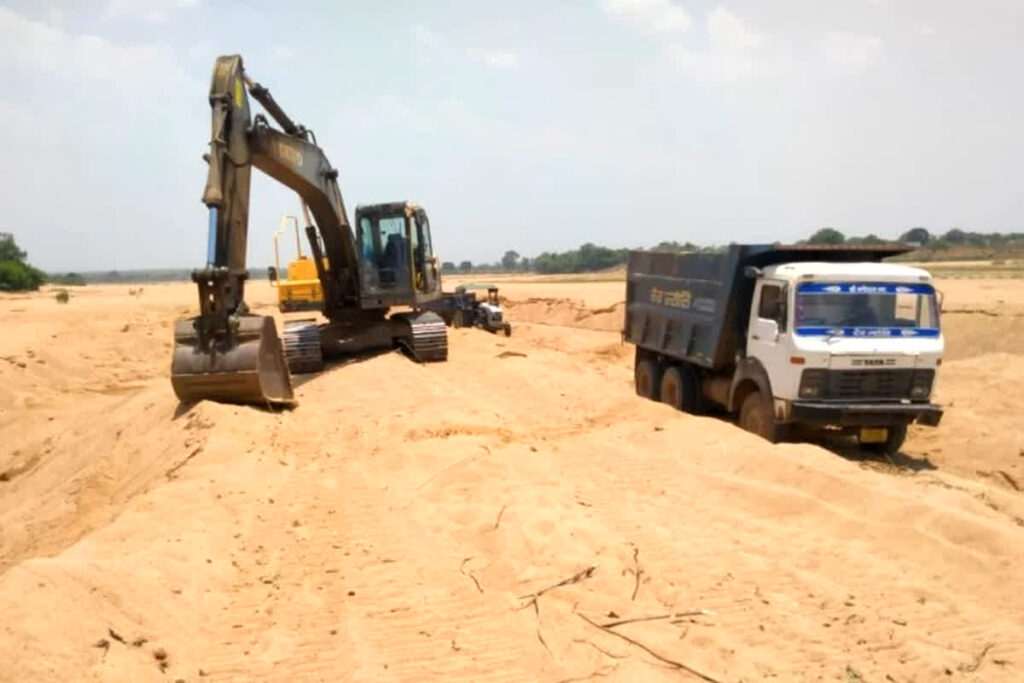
x,y
300,290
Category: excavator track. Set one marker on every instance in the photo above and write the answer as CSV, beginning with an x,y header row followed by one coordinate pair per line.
x,y
428,338
302,348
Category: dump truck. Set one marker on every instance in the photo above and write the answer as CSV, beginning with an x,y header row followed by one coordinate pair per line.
x,y
789,338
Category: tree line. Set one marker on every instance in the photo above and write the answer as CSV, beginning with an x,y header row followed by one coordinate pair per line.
x,y
16,274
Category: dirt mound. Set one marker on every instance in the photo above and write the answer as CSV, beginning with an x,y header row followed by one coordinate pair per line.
x,y
565,313
513,514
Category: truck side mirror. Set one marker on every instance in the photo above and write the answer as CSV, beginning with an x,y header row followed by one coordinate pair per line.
x,y
765,330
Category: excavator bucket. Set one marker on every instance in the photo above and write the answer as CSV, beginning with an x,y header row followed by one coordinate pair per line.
x,y
251,369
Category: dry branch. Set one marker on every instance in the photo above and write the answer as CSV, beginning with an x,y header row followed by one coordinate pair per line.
x,y
673,615
575,578
661,658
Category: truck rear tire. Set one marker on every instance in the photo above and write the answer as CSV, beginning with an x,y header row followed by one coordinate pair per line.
x,y
679,389
893,442
757,417
648,379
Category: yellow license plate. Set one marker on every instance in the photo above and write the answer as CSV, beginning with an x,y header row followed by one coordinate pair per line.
x,y
873,434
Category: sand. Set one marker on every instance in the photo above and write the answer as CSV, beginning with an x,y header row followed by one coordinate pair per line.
x,y
396,525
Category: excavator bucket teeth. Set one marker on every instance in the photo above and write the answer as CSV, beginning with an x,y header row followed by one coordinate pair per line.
x,y
251,369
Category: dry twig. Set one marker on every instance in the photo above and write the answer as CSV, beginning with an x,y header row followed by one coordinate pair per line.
x,y
674,615
462,569
661,658
575,578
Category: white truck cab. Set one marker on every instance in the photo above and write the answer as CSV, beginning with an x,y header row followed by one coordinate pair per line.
x,y
864,317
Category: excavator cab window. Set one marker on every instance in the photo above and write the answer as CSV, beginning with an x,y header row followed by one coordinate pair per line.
x,y
384,252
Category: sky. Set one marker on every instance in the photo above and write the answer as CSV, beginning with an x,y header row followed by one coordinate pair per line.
x,y
530,125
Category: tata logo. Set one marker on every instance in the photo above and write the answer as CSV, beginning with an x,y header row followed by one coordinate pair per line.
x,y
872,362
833,289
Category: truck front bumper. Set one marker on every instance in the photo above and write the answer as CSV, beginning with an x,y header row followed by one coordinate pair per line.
x,y
865,414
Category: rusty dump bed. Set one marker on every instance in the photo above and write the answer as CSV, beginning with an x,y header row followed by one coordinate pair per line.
x,y
694,306
251,370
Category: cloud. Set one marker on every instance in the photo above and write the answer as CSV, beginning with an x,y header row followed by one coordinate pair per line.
x,y
36,45
283,52
155,11
853,51
733,52
727,31
497,59
926,30
651,16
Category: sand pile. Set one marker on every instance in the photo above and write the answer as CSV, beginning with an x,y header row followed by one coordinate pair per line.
x,y
414,523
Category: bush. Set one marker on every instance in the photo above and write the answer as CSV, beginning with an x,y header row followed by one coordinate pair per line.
x,y
586,259
62,296
68,280
20,277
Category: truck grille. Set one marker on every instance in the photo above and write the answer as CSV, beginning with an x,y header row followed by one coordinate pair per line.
x,y
855,385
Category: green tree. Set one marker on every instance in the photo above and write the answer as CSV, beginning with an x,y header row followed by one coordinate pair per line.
x,y
916,236
466,266
9,250
827,236
15,274
448,267
19,277
508,261
955,236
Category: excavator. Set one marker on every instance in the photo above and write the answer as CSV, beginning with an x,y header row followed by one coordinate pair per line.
x,y
231,355
298,286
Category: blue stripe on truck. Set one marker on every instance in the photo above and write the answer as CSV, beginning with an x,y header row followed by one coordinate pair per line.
x,y
867,332
863,288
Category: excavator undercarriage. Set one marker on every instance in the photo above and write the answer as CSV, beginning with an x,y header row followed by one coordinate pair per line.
x,y
228,354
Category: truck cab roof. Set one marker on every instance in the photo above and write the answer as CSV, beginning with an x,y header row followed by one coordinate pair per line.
x,y
846,272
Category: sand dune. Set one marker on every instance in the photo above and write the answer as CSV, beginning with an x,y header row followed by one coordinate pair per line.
x,y
413,523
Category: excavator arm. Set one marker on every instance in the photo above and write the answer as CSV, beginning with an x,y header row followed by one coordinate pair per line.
x,y
225,353
237,143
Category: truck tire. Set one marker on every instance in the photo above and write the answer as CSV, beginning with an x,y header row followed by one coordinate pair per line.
x,y
458,319
648,379
892,443
757,417
679,389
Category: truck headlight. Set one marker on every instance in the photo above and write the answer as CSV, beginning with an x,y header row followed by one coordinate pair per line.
x,y
812,383
921,384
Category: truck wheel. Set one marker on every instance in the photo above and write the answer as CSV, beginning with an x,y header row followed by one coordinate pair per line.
x,y
648,379
756,416
892,443
679,389
458,319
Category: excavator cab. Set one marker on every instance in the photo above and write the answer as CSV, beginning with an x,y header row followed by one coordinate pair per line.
x,y
397,265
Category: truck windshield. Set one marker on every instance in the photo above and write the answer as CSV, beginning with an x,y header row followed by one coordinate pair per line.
x,y
866,309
